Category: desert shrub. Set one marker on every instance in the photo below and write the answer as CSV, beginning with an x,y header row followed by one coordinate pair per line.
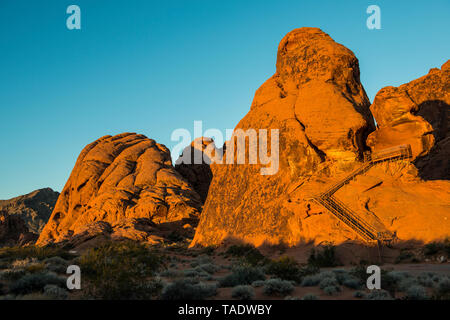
x,y
258,283
169,273
327,282
273,287
442,289
437,247
407,283
23,263
36,282
195,273
285,268
208,267
352,283
359,294
56,264
416,292
359,272
35,268
121,270
34,296
56,260
332,290
431,248
242,275
310,281
310,296
40,253
404,256
243,292
315,279
202,259
55,292
184,290
427,279
12,274
341,275
209,250
379,295
248,252
324,258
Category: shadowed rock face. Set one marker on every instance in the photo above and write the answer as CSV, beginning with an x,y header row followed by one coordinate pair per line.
x,y
14,230
33,208
194,164
317,102
417,113
118,182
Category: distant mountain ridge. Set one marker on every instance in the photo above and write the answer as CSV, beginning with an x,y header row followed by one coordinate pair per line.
x,y
33,208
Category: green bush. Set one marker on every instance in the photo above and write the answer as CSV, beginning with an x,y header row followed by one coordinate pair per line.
x,y
12,274
332,290
433,248
352,283
258,283
285,268
40,253
243,292
35,282
185,290
324,258
275,287
242,275
248,252
379,295
310,281
310,296
55,292
328,282
121,270
359,294
416,292
442,290
427,279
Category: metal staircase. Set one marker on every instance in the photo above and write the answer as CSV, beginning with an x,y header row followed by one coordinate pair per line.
x,y
365,230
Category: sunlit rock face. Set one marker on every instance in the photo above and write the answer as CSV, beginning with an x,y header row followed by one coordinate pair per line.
x,y
417,113
122,186
316,101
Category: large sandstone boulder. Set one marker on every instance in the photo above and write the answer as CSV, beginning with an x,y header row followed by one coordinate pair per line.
x,y
33,208
417,113
118,185
316,101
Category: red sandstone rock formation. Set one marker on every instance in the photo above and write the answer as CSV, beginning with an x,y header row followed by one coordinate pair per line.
x,y
417,113
121,187
317,102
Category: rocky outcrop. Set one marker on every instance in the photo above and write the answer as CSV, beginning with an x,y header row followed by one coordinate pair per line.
x,y
14,231
417,113
318,105
316,101
117,183
33,208
194,165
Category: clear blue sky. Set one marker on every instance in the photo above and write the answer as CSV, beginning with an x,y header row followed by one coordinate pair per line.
x,y
154,66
